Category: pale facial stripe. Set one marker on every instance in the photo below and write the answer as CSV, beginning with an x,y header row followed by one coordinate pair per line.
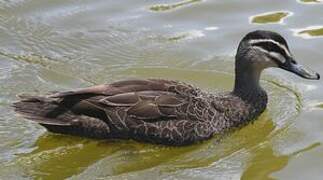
x,y
255,41
273,55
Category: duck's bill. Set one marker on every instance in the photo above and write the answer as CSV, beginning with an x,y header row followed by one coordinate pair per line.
x,y
300,70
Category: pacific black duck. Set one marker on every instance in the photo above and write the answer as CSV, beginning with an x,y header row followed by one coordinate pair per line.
x,y
165,111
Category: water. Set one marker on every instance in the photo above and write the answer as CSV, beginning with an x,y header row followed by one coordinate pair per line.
x,y
60,45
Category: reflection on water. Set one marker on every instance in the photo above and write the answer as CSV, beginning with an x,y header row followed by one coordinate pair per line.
x,y
270,17
310,32
116,158
310,1
47,46
260,167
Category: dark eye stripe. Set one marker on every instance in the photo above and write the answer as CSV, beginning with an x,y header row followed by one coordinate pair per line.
x,y
271,47
275,58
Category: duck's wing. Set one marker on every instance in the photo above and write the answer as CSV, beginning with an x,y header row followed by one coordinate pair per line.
x,y
158,111
141,99
148,100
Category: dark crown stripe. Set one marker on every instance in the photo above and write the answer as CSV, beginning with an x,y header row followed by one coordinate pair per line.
x,y
271,47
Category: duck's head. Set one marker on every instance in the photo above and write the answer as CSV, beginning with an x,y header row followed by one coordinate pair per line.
x,y
263,49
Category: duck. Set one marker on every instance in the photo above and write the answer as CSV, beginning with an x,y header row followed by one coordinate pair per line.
x,y
167,112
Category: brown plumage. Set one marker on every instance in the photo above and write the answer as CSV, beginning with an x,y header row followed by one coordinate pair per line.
x,y
156,110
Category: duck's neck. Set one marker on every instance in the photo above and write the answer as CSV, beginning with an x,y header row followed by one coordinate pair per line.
x,y
247,85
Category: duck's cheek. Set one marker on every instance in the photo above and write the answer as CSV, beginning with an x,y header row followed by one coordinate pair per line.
x,y
271,63
263,64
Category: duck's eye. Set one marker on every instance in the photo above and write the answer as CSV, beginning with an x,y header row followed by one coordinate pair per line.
x,y
293,61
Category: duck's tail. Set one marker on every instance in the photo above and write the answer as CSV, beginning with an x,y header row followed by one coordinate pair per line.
x,y
43,110
55,117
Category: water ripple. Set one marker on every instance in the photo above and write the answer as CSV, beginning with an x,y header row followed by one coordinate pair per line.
x,y
168,7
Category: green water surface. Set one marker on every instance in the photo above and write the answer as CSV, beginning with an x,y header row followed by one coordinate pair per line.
x,y
60,45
